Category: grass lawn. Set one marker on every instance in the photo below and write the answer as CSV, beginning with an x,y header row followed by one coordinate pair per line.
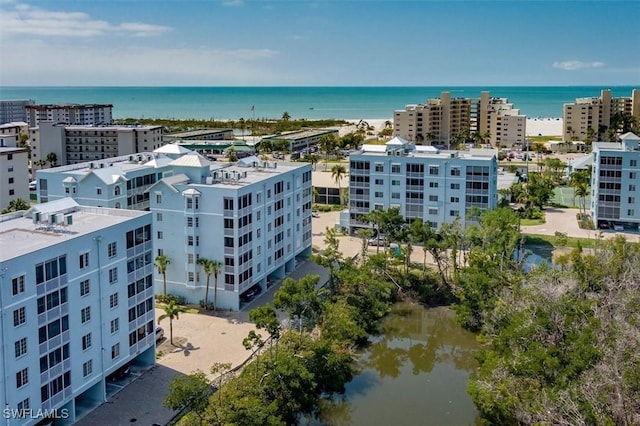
x,y
531,222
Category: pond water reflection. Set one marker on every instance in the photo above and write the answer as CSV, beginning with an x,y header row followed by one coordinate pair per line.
x,y
414,373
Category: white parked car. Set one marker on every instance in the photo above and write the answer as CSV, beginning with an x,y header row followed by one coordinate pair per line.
x,y
33,185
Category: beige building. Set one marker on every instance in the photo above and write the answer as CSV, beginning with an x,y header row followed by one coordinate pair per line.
x,y
79,144
438,121
596,113
499,123
84,114
14,175
435,122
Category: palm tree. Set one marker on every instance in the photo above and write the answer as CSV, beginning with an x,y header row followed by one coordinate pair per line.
x,y
171,311
161,263
51,158
16,205
286,116
210,267
338,172
327,144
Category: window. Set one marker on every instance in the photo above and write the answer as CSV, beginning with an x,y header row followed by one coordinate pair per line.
x,y
395,182
84,260
632,200
454,213
379,181
112,249
17,285
19,316
395,168
159,217
395,195
113,275
633,163
433,184
86,341
190,240
85,314
191,277
433,211
113,300
10,180
379,194
115,325
98,191
24,407
190,258
21,347
22,378
631,212
160,235
632,175
455,171
455,186
433,170
84,288
632,187
87,368
455,199
158,198
379,168
433,198
115,351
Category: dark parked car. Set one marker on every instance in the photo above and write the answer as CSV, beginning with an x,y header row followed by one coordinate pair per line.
x,y
250,294
121,373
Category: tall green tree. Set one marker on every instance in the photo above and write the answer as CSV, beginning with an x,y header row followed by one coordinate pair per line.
x,y
300,299
51,158
265,317
171,311
327,144
161,263
210,267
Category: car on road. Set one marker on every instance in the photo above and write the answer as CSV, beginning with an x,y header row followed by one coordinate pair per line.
x,y
315,214
250,294
159,333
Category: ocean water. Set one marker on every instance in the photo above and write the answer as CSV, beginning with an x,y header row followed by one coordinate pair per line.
x,y
299,102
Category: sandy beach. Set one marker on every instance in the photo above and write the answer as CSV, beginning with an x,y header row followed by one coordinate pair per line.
x,y
535,126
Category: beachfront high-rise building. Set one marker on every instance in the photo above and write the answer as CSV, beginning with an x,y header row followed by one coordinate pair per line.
x,y
14,110
437,121
615,188
422,181
78,144
253,217
76,298
14,175
499,123
79,114
442,121
596,113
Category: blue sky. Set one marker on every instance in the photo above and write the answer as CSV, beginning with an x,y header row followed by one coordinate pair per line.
x,y
323,43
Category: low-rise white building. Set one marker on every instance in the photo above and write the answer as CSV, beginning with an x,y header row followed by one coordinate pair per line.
x,y
253,217
76,303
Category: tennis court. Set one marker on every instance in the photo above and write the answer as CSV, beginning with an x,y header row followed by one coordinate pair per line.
x,y
563,196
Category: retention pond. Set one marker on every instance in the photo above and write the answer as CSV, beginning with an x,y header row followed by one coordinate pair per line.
x,y
414,372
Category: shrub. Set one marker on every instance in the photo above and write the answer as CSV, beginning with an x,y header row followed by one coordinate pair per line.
x,y
179,300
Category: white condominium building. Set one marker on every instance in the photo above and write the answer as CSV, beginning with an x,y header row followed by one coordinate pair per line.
x,y
14,175
596,113
73,144
80,114
14,110
76,299
615,188
422,181
253,217
120,182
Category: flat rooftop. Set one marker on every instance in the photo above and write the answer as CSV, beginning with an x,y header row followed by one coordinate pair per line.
x,y
195,133
301,134
254,174
123,163
20,236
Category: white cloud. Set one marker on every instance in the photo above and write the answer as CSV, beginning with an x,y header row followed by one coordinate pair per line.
x,y
24,19
48,63
577,65
233,3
